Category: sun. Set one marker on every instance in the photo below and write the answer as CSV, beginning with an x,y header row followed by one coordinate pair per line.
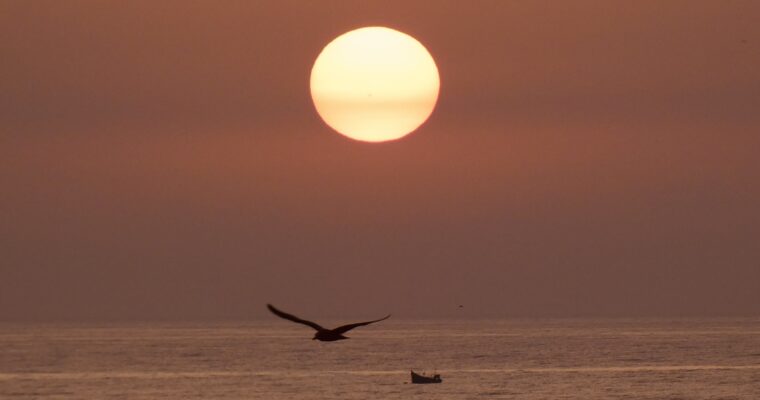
x,y
374,84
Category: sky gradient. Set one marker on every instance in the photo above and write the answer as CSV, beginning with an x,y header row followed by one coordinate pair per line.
x,y
164,161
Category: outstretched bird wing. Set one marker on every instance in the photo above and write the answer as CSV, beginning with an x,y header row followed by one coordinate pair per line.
x,y
293,318
345,328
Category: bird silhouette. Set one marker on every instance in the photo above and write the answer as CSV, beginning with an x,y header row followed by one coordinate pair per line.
x,y
323,334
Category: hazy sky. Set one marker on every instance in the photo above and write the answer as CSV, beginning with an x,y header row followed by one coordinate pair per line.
x,y
164,160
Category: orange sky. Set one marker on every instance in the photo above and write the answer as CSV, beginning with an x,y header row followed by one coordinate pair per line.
x,y
585,158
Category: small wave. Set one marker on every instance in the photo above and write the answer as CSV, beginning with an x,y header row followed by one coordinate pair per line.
x,y
643,368
120,374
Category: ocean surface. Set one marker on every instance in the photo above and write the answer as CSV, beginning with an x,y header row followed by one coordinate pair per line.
x,y
482,359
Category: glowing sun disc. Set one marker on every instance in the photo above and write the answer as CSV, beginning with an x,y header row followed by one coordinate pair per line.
x,y
374,84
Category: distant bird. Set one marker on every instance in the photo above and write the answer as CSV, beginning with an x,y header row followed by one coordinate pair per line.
x,y
325,335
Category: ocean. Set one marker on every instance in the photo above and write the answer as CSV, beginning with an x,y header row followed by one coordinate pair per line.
x,y
477,359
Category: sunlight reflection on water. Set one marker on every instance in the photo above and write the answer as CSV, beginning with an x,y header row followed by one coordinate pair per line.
x,y
569,359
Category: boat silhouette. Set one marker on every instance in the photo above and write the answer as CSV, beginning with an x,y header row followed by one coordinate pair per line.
x,y
421,378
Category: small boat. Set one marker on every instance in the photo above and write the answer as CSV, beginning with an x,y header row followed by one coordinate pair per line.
x,y
420,378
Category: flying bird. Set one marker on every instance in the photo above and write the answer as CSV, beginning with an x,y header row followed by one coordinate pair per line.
x,y
325,335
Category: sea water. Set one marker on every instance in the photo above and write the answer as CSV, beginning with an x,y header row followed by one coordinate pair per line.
x,y
477,359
